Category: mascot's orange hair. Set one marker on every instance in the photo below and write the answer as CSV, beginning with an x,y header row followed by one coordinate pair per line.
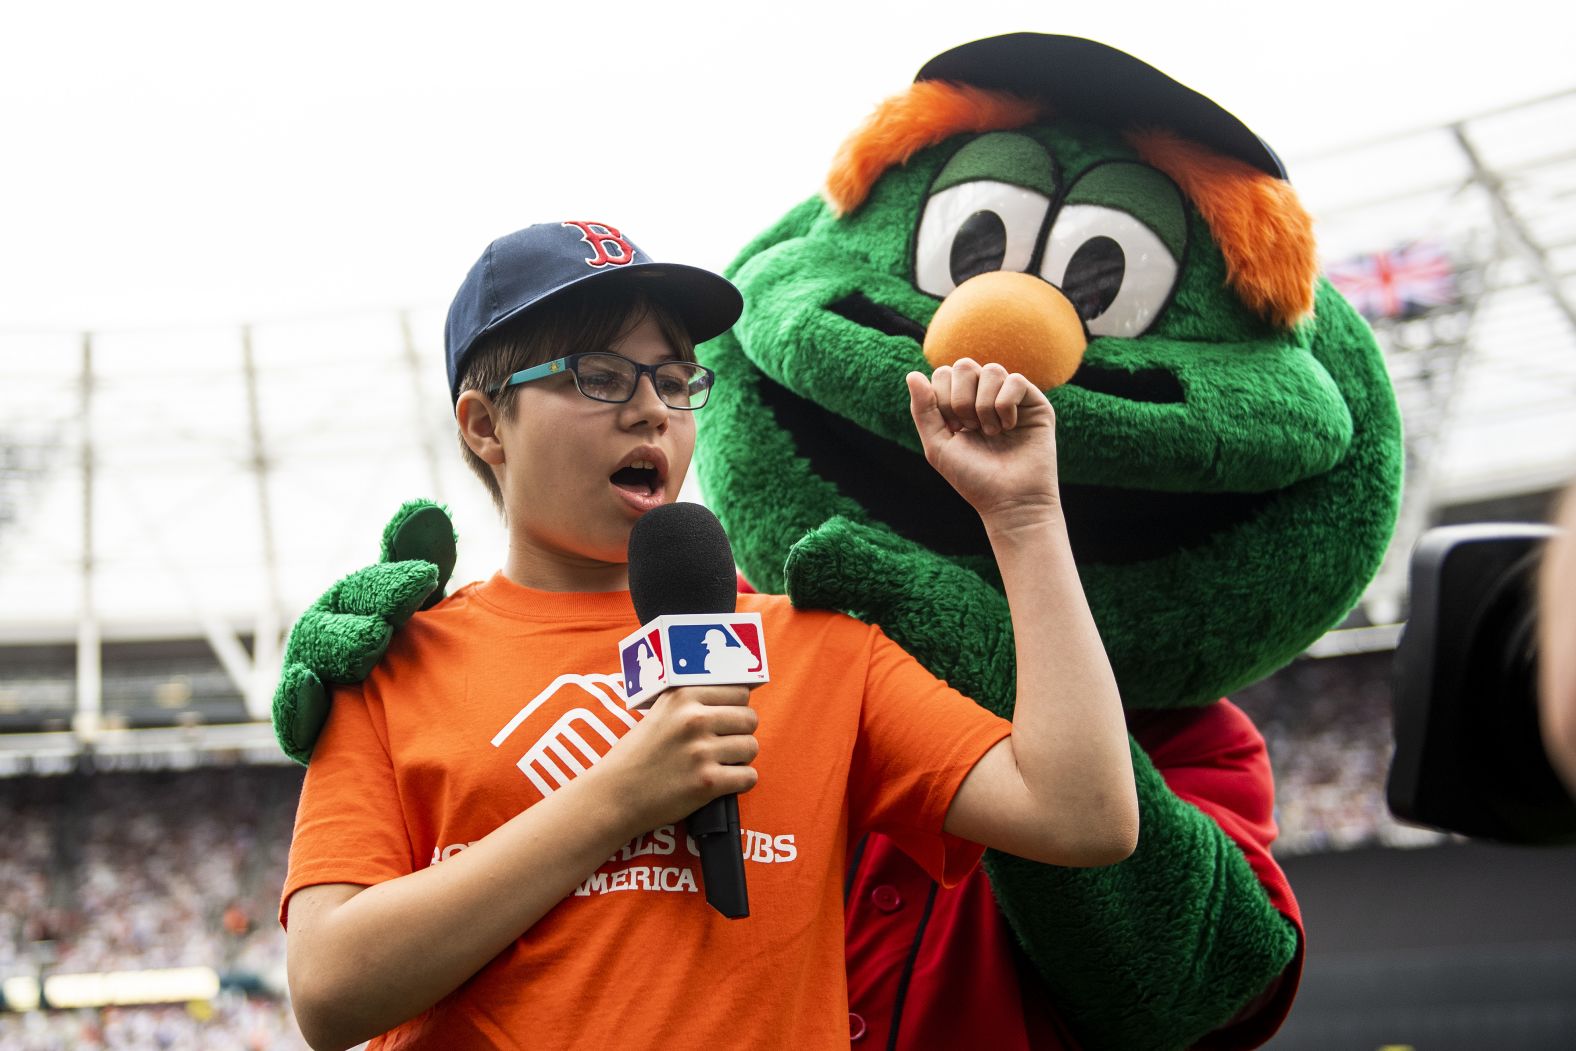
x,y
1263,231
928,112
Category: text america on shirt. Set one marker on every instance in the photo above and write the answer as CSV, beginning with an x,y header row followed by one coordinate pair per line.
x,y
576,740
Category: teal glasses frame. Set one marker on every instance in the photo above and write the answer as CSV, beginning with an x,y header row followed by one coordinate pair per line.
x,y
695,378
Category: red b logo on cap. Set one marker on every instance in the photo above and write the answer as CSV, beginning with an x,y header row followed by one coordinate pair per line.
x,y
607,245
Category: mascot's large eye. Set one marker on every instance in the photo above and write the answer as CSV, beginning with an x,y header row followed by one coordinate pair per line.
x,y
1115,245
974,228
1115,270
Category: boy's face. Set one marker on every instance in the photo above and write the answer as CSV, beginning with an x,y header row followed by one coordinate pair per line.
x,y
577,473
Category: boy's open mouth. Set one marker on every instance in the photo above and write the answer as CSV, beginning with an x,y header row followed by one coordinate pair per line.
x,y
641,477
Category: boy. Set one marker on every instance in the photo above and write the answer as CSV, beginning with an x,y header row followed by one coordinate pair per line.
x,y
485,852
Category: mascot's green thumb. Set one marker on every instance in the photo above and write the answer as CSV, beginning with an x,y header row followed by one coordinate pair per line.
x,y
421,529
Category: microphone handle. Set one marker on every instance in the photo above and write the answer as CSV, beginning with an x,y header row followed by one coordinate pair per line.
x,y
715,830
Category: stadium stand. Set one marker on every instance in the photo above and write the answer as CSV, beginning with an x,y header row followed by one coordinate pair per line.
x,y
232,1023
135,871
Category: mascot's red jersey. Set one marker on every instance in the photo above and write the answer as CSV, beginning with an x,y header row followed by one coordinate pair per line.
x,y
938,968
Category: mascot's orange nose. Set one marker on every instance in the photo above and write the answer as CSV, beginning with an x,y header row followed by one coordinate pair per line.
x,y
1016,320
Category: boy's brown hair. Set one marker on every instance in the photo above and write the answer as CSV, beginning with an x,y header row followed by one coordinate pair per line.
x,y
576,321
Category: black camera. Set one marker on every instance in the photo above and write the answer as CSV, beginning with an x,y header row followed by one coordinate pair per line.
x,y
1469,755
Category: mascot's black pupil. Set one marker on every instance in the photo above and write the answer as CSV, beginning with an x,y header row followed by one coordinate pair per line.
x,y
979,246
1094,276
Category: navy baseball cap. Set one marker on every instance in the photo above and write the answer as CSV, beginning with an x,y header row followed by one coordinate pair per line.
x,y
528,267
1091,81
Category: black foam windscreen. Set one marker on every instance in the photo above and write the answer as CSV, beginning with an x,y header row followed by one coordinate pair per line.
x,y
680,561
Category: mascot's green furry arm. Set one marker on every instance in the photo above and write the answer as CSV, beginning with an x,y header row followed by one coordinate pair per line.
x,y
1230,461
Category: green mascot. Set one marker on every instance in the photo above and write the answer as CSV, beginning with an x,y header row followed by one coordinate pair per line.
x,y
1230,457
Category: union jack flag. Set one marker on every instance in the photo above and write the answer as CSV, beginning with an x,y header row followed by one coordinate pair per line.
x,y
1403,282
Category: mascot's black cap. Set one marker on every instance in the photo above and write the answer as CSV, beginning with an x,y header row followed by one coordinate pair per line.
x,y
1090,81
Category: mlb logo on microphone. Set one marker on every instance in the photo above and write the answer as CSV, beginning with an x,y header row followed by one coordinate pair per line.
x,y
692,649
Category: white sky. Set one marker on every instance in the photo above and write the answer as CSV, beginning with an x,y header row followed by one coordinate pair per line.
x,y
172,163
169,171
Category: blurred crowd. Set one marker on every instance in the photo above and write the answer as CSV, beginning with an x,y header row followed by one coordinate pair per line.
x,y
166,893
131,871
106,871
1328,727
233,1022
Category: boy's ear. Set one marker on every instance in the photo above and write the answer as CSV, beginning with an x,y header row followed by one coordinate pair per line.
x,y
478,418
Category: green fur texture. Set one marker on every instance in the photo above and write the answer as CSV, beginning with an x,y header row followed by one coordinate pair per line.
x,y
342,635
1220,528
1160,950
1156,951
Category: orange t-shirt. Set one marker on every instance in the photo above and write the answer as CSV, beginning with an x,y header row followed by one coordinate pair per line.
x,y
498,695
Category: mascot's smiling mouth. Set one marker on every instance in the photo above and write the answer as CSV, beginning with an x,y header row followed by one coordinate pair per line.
x,y
897,487
1152,385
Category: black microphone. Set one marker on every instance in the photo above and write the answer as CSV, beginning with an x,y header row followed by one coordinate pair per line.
x,y
680,561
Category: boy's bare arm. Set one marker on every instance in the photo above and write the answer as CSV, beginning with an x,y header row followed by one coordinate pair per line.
x,y
1060,789
362,960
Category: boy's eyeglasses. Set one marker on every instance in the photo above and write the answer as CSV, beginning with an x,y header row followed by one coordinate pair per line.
x,y
603,376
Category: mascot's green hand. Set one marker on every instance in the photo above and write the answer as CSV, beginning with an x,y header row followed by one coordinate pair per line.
x,y
925,604
346,631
